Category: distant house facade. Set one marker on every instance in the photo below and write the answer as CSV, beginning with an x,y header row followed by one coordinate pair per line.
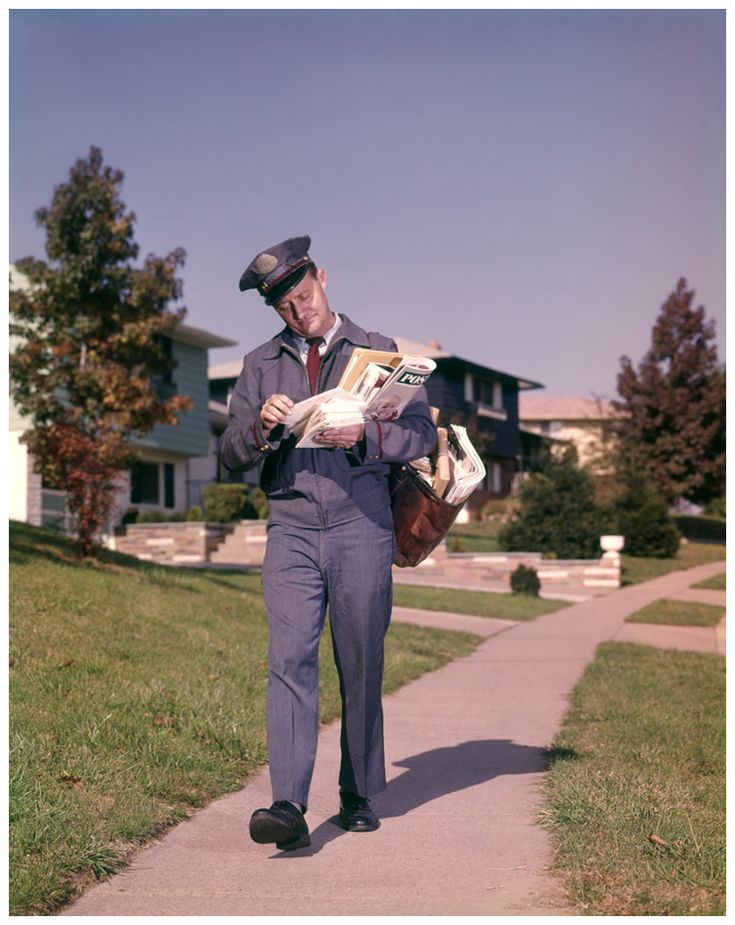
x,y
484,399
222,379
585,422
162,477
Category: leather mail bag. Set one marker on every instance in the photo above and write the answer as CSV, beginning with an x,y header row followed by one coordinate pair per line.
x,y
421,519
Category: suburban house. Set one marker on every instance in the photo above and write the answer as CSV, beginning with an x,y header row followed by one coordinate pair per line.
x,y
585,422
169,459
483,399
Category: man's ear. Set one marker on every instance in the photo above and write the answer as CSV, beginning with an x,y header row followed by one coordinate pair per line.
x,y
321,275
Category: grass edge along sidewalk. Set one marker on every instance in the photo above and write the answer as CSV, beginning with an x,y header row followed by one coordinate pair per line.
x,y
678,613
635,794
136,697
474,603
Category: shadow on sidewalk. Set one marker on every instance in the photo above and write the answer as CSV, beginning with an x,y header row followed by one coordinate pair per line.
x,y
434,774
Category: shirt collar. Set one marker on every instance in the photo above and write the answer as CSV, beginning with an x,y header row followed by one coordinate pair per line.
x,y
348,331
300,342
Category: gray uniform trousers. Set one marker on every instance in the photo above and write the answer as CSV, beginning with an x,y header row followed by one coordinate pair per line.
x,y
348,568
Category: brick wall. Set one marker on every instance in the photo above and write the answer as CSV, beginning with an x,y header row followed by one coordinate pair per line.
x,y
171,543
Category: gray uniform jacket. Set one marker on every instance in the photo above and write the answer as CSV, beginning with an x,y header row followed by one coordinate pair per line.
x,y
318,487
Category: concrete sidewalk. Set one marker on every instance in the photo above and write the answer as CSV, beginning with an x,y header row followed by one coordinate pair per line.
x,y
460,833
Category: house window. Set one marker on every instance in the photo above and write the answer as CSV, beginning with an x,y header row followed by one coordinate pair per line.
x,y
495,474
169,485
493,480
145,484
163,384
54,510
144,487
485,394
550,427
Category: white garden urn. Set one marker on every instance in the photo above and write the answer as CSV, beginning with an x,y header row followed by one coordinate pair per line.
x,y
611,545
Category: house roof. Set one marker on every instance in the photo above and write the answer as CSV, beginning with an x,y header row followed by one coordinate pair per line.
x,y
233,368
416,347
564,408
218,413
434,351
198,337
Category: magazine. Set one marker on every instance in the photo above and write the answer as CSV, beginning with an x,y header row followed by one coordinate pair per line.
x,y
376,385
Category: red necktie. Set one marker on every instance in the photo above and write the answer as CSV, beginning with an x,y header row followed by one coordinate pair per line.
x,y
313,361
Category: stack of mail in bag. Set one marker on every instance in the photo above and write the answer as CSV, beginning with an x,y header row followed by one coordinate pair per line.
x,y
455,469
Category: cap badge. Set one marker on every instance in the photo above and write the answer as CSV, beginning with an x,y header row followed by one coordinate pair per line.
x,y
264,263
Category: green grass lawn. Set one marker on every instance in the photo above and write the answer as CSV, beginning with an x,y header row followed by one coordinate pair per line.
x,y
636,570
717,583
475,536
476,603
136,696
678,613
636,788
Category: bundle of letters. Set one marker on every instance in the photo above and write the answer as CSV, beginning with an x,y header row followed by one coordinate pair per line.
x,y
455,470
376,385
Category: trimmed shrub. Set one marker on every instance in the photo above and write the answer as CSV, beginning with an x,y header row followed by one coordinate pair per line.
x,y
525,580
227,501
716,508
258,504
130,516
558,514
155,516
708,529
194,514
644,520
224,502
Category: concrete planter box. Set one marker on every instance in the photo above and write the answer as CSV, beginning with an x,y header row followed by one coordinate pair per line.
x,y
589,575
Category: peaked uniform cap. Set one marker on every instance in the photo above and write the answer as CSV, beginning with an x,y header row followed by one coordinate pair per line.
x,y
275,271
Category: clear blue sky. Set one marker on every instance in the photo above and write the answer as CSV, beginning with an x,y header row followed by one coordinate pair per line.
x,y
525,187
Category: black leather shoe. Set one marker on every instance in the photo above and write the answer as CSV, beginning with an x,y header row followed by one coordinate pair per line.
x,y
356,814
282,824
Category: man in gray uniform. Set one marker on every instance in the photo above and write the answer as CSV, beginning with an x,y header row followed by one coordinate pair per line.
x,y
330,540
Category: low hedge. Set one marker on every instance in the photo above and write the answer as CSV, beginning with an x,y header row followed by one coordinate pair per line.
x,y
702,529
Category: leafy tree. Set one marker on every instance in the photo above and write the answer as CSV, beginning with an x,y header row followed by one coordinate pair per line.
x,y
558,514
643,518
88,371
672,424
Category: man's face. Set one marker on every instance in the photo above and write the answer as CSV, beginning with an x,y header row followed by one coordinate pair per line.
x,y
305,308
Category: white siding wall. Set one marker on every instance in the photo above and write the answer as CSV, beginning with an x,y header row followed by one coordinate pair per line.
x,y
18,480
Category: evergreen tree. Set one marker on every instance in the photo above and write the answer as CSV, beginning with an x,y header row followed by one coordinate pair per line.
x,y
92,352
558,514
644,520
672,424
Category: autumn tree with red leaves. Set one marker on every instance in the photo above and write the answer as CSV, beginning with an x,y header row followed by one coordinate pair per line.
x,y
672,425
92,349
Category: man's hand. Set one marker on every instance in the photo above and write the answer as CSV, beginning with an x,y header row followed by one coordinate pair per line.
x,y
274,410
344,437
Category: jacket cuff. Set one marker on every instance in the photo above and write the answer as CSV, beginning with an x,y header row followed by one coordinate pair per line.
x,y
373,441
262,443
